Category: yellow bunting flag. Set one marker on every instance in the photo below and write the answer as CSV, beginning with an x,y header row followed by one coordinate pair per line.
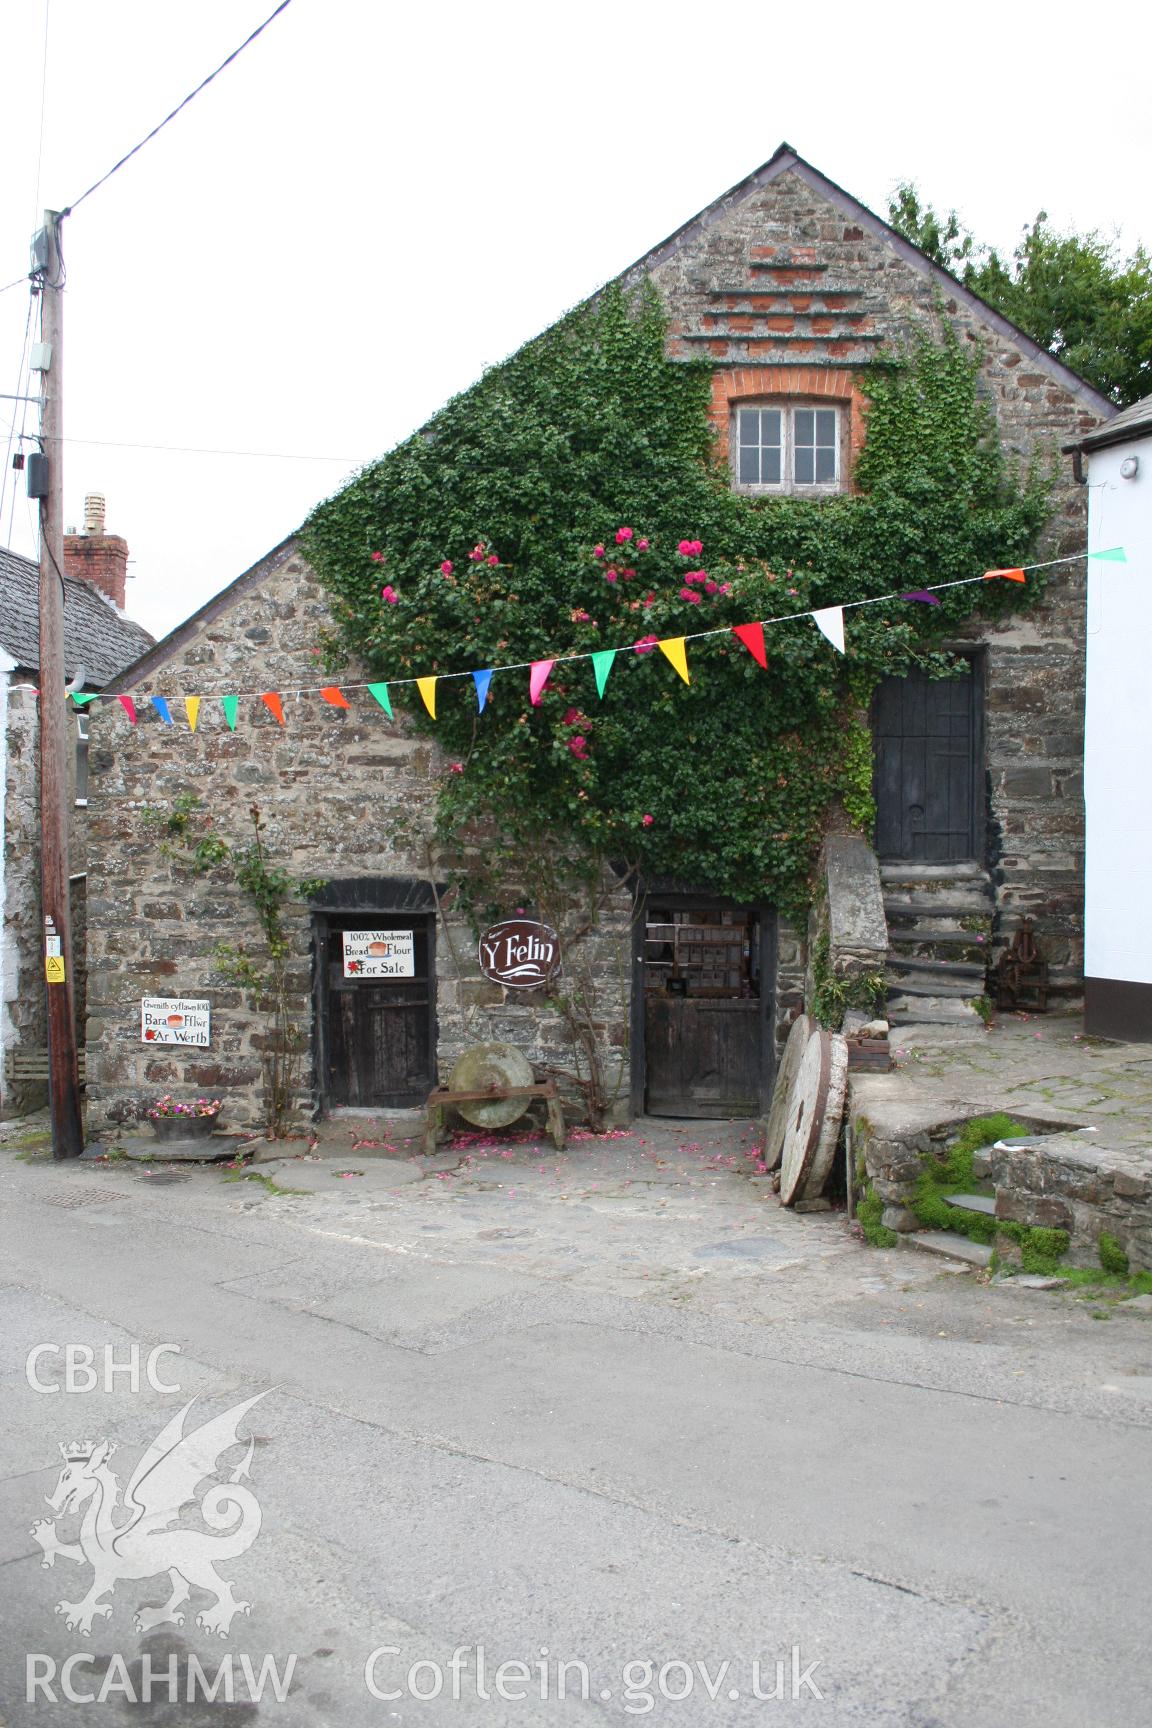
x,y
192,709
427,689
673,647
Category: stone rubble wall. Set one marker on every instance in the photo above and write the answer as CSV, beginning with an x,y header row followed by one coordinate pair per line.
x,y
777,237
344,795
1068,1184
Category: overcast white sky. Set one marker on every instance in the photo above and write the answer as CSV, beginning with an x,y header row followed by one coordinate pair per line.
x,y
377,201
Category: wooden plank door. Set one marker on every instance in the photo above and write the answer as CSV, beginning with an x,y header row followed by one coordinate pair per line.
x,y
703,1057
927,770
380,1032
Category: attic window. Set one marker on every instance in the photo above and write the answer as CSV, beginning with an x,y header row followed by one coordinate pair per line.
x,y
784,446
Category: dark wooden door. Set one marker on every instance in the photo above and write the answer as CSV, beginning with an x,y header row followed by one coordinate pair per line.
x,y
380,1032
927,769
703,1057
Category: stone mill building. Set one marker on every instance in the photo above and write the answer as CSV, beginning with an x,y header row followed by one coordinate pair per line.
x,y
791,290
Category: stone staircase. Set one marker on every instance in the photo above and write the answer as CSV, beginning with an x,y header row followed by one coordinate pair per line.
x,y
939,940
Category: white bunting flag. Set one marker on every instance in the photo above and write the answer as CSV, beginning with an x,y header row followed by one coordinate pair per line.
x,y
830,622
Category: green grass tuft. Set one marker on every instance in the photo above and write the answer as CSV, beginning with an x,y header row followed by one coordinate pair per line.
x,y
1112,1256
868,1215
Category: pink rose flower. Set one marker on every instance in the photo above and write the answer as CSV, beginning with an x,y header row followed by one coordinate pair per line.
x,y
578,745
685,548
389,594
377,557
609,575
597,551
492,558
711,587
579,616
641,545
646,644
571,717
695,598
647,821
688,594
455,767
476,556
446,567
725,588
622,535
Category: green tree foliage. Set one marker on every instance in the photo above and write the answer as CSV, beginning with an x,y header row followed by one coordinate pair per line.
x,y
588,429
1072,293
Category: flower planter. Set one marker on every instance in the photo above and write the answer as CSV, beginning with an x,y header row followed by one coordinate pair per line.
x,y
183,1127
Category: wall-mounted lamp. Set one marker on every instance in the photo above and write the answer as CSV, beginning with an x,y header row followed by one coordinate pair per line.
x,y
1130,467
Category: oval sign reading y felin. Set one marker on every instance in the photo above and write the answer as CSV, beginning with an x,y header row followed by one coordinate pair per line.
x,y
520,952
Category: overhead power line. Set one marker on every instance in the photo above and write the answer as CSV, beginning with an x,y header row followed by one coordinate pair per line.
x,y
203,85
209,450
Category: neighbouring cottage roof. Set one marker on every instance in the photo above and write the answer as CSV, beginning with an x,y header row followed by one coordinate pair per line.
x,y
95,635
1135,421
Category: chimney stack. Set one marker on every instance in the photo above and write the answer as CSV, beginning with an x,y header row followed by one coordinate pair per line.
x,y
95,556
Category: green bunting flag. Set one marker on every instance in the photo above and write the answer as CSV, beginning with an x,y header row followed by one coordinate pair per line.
x,y
602,665
80,697
380,692
230,704
1114,555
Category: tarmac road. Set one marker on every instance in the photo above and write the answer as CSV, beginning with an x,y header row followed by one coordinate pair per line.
x,y
612,1409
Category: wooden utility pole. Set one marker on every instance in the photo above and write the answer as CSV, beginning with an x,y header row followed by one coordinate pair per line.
x,y
63,1075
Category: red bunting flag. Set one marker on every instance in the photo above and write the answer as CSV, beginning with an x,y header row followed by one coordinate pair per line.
x,y
128,706
331,694
1008,575
274,705
752,636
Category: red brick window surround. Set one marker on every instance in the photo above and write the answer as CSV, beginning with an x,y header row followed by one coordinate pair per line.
x,y
787,388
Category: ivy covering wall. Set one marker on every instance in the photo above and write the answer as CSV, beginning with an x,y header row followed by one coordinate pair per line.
x,y
492,536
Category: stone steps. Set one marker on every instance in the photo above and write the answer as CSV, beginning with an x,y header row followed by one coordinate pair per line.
x,y
949,1246
935,965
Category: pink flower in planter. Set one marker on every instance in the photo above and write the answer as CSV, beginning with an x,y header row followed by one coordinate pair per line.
x,y
446,567
647,821
622,535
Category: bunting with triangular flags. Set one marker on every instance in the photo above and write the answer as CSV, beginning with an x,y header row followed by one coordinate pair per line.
x,y
380,693
192,709
83,697
1111,554
752,636
334,695
829,620
481,681
161,706
537,678
128,706
1016,575
274,706
230,704
427,689
602,661
673,647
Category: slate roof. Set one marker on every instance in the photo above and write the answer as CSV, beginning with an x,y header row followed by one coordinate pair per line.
x,y
1135,421
95,635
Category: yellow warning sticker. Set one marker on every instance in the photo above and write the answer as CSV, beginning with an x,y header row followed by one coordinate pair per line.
x,y
54,968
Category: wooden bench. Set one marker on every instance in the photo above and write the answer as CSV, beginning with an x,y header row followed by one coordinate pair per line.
x,y
435,1129
33,1065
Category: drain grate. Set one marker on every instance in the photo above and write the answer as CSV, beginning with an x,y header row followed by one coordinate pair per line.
x,y
162,1176
76,1195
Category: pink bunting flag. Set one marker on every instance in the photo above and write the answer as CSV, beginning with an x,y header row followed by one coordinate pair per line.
x,y
128,706
537,678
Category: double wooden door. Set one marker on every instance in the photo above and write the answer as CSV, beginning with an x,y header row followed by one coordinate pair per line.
x,y
378,1035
